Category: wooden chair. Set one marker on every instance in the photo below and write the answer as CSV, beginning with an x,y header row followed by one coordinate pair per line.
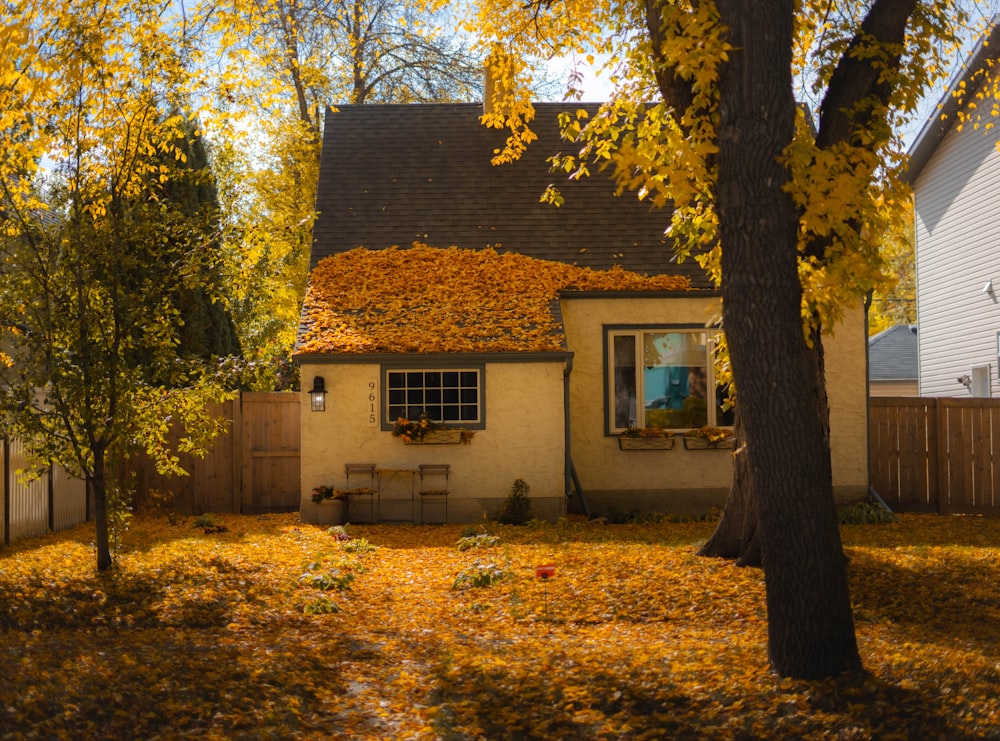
x,y
434,484
364,486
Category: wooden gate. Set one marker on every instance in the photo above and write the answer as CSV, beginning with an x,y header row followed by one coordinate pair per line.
x,y
270,448
252,467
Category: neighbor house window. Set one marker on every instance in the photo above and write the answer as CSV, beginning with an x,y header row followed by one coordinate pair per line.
x,y
662,377
446,395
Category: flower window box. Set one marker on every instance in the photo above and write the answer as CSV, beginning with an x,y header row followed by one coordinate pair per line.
x,y
708,438
648,438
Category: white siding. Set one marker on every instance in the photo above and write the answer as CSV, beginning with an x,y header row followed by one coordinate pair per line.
x,y
957,213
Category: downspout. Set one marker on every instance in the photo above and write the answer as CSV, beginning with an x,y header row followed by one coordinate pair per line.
x,y
569,471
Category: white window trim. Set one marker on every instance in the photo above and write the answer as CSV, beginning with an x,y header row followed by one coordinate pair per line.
x,y
638,332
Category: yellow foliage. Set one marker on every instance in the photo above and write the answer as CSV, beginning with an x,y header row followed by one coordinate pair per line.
x,y
425,299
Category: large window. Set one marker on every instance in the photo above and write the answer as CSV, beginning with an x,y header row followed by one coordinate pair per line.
x,y
662,378
447,395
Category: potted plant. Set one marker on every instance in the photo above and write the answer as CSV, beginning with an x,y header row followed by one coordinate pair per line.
x,y
646,438
329,503
707,437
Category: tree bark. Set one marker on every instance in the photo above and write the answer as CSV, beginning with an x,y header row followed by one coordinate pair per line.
x,y
810,625
98,482
736,534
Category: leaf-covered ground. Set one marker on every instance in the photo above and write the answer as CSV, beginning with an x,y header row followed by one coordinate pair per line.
x,y
270,628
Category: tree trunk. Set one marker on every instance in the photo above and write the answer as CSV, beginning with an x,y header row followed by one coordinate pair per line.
x,y
99,483
810,625
736,534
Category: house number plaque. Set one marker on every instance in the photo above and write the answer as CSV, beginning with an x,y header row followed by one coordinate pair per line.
x,y
371,402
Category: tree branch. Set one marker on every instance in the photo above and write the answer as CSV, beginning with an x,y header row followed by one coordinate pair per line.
x,y
862,83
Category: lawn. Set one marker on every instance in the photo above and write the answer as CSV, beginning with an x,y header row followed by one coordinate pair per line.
x,y
263,627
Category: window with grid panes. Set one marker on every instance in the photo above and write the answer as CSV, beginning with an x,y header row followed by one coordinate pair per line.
x,y
451,396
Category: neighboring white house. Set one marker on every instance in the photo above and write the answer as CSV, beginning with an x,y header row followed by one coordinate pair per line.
x,y
955,174
892,361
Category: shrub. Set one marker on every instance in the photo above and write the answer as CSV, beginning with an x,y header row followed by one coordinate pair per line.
x,y
478,540
480,575
516,508
865,513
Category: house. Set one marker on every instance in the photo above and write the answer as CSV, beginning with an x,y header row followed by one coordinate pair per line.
x,y
892,361
955,173
442,285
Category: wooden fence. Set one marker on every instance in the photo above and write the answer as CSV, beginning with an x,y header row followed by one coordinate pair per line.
x,y
936,454
252,468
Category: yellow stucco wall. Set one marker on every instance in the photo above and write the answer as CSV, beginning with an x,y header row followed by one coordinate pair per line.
x,y
679,480
524,428
523,438
846,386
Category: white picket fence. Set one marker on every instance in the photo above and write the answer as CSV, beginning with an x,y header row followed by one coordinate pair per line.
x,y
33,506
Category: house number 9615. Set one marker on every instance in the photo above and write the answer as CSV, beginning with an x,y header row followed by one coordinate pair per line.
x,y
371,402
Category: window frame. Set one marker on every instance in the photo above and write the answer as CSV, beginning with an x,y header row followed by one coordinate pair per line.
x,y
388,420
639,331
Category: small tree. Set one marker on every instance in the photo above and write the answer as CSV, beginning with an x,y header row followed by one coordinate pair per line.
x,y
516,508
98,265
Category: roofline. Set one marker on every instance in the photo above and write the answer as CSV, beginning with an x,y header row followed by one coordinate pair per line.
x,y
570,293
532,356
939,123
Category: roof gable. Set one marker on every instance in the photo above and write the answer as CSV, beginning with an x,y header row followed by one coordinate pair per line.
x,y
392,175
892,354
958,96
431,300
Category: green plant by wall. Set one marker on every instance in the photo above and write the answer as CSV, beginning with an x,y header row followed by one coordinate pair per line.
x,y
865,513
516,508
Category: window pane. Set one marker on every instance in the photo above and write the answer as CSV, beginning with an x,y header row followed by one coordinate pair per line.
x,y
445,396
623,354
675,379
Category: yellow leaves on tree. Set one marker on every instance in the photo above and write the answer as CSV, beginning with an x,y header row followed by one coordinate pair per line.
x,y
425,299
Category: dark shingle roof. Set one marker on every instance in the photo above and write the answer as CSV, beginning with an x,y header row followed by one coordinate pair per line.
x,y
892,354
397,174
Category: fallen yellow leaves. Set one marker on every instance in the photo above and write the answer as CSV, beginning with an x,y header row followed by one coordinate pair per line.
x,y
212,635
424,299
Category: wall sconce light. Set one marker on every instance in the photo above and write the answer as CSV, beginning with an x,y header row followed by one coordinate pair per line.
x,y
965,381
317,397
988,288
